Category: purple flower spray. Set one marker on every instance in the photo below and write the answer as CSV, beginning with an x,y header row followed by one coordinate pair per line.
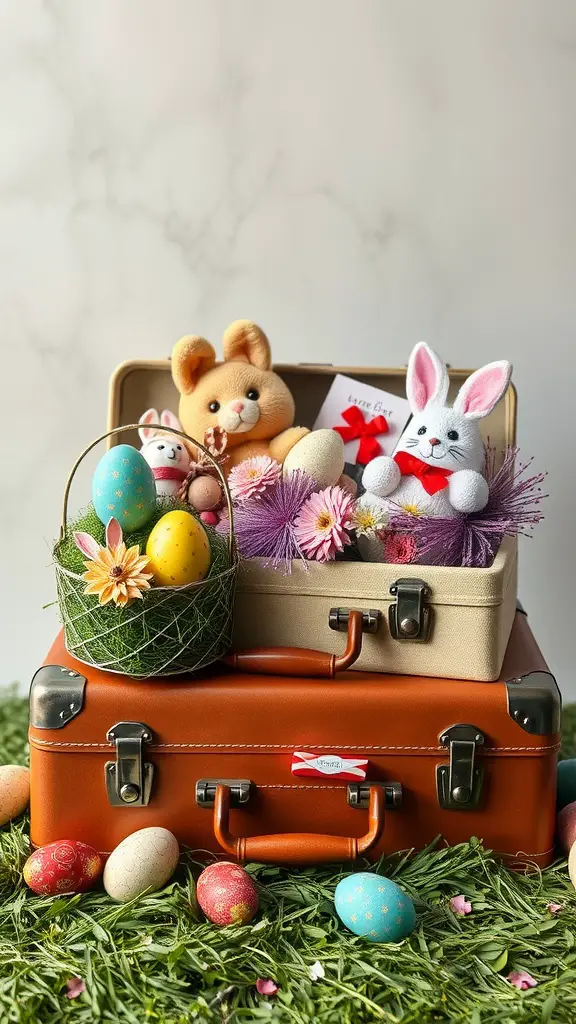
x,y
472,540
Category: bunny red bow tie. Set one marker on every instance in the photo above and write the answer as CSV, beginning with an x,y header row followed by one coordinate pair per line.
x,y
365,430
432,478
168,473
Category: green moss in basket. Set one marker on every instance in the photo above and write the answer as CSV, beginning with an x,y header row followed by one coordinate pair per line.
x,y
88,522
171,630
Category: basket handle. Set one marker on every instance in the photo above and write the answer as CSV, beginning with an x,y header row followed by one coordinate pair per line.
x,y
164,430
296,847
301,661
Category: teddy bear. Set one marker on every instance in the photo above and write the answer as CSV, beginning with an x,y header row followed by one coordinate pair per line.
x,y
244,397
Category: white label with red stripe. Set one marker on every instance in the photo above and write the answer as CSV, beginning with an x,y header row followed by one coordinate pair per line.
x,y
321,765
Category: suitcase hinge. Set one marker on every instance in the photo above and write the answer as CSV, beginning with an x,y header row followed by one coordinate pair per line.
x,y
358,794
459,783
129,777
240,790
409,618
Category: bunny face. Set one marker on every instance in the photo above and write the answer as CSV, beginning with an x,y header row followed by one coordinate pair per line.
x,y
162,452
449,438
159,448
242,395
444,439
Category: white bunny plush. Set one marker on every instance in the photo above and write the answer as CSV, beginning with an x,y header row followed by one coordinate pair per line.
x,y
437,467
165,453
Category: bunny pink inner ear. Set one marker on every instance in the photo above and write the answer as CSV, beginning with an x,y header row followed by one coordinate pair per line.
x,y
483,390
145,432
113,533
426,380
168,419
87,544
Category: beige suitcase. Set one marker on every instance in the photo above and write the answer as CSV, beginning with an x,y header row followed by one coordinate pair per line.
x,y
458,620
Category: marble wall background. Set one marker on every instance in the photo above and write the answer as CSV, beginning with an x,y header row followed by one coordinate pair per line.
x,y
354,175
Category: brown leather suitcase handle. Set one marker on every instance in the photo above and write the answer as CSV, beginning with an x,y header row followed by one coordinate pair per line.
x,y
300,661
296,847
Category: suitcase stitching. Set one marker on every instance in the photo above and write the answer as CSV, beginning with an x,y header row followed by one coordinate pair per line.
x,y
283,746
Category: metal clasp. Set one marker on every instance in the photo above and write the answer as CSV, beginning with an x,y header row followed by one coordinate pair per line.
x,y
409,618
240,791
129,777
459,783
358,794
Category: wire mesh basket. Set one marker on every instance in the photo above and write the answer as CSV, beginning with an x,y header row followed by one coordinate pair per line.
x,y
171,630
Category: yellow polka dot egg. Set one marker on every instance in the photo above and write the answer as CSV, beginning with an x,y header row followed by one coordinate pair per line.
x,y
374,907
178,550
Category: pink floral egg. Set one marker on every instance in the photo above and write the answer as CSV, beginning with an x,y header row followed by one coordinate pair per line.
x,y
62,867
566,827
227,894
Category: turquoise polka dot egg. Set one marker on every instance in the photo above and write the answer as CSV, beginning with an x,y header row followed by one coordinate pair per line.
x,y
123,488
374,907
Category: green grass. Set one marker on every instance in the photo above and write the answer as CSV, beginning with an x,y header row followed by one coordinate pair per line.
x,y
156,961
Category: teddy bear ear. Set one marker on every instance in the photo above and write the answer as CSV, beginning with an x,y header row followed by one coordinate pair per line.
x,y
192,357
245,342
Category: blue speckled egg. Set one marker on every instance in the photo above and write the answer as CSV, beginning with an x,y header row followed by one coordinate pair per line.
x,y
374,907
123,487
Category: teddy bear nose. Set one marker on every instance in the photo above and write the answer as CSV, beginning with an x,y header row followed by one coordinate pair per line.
x,y
434,441
237,407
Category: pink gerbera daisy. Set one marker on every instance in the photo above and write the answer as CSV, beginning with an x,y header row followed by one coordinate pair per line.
x,y
322,523
253,477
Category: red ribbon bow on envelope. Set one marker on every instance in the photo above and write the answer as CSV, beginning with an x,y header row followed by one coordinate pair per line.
x,y
365,430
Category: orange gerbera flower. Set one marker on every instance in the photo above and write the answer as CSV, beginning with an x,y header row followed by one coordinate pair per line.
x,y
116,574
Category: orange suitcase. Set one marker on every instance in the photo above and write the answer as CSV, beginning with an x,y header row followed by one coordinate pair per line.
x,y
211,757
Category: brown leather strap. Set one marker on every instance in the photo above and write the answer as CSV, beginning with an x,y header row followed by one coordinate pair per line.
x,y
300,661
296,847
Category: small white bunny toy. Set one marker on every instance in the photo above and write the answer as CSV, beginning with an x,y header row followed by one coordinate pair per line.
x,y
436,469
165,453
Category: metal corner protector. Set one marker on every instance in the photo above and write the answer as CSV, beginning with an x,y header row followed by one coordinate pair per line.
x,y
56,697
534,702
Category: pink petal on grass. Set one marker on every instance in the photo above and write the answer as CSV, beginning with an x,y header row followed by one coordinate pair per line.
x,y
75,988
522,980
266,987
554,908
461,906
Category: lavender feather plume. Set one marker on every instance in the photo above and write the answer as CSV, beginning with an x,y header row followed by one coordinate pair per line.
x,y
263,524
472,540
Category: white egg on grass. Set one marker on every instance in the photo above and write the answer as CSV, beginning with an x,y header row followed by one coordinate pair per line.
x,y
144,861
14,791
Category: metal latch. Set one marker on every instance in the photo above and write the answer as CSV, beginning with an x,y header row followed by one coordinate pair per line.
x,y
409,618
359,794
240,790
129,777
459,783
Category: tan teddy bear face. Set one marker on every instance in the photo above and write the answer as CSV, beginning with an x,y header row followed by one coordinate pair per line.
x,y
242,395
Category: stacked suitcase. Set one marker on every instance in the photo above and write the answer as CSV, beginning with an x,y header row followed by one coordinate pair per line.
x,y
399,755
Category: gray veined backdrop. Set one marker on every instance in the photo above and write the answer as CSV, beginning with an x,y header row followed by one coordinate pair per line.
x,y
354,176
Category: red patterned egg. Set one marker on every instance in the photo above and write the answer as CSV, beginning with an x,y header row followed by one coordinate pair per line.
x,y
227,894
62,867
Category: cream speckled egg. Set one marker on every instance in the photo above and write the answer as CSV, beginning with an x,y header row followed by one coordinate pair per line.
x,y
146,860
178,550
320,454
14,791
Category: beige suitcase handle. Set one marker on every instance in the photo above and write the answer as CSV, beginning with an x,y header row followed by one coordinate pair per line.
x,y
301,661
